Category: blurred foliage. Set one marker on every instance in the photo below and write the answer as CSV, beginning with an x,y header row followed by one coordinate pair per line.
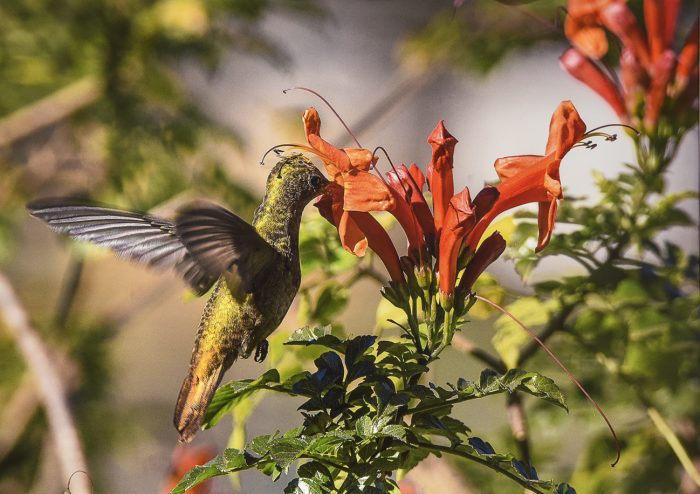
x,y
481,33
136,140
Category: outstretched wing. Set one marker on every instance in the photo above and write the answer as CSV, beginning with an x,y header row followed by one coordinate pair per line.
x,y
223,243
136,236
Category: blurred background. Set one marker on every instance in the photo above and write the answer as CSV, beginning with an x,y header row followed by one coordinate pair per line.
x,y
147,104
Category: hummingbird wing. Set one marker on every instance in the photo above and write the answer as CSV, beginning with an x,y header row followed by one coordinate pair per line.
x,y
225,245
136,236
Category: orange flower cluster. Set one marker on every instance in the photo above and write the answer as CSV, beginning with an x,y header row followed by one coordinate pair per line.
x,y
452,231
650,70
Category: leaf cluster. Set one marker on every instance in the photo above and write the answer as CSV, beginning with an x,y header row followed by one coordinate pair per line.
x,y
365,416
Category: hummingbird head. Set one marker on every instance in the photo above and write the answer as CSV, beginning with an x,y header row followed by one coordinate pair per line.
x,y
295,180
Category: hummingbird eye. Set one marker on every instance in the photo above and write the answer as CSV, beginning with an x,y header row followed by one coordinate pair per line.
x,y
315,181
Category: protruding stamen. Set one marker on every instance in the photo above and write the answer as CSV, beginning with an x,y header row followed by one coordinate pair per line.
x,y
391,163
301,88
613,125
562,366
277,150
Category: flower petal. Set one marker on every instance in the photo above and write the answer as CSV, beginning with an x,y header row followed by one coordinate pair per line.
x,y
336,161
417,176
351,235
489,250
661,75
440,171
312,122
565,129
360,158
366,192
586,35
671,8
330,206
654,20
545,221
620,20
585,71
460,219
634,78
379,241
484,201
688,57
510,166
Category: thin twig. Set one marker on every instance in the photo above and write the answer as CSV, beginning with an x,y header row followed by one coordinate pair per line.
x,y
53,395
49,110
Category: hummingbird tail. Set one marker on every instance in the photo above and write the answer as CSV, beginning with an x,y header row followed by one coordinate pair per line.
x,y
196,392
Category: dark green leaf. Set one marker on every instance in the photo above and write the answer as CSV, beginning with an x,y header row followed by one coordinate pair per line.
x,y
228,395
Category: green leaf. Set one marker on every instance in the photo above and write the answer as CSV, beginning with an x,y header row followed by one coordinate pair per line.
x,y
285,450
228,395
322,336
232,460
364,427
544,388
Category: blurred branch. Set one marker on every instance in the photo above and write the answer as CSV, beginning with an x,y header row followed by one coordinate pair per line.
x,y
51,388
399,92
437,474
71,282
48,469
555,324
675,444
465,345
17,413
48,110
517,419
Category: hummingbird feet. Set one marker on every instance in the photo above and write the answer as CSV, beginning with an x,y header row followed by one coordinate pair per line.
x,y
261,351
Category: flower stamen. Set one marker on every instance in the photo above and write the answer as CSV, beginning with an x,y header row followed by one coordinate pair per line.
x,y
302,88
276,149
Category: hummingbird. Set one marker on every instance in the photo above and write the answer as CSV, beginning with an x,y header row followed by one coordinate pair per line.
x,y
254,269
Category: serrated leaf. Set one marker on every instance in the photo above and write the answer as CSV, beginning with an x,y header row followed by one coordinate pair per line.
x,y
285,450
394,430
228,395
544,388
231,460
322,336
363,427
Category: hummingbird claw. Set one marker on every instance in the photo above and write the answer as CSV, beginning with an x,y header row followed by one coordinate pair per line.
x,y
261,351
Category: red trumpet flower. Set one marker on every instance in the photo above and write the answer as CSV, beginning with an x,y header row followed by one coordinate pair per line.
x,y
526,179
457,221
650,70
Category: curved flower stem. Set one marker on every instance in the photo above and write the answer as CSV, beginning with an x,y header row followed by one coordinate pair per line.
x,y
463,454
53,394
